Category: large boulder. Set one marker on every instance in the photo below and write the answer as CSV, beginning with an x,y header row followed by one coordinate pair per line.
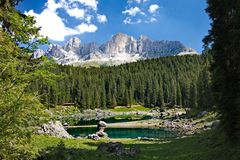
x,y
54,129
101,125
117,148
100,133
112,147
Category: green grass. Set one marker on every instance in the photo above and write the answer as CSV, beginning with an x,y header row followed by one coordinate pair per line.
x,y
68,110
64,110
129,117
129,109
200,147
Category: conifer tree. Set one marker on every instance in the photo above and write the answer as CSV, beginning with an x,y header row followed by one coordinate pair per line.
x,y
223,40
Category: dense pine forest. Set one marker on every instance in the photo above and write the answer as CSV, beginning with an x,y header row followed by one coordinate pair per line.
x,y
167,81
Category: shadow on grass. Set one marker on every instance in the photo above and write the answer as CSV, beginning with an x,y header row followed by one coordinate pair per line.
x,y
62,153
191,148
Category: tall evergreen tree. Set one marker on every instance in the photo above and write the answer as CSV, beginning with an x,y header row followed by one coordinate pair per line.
x,y
223,40
193,95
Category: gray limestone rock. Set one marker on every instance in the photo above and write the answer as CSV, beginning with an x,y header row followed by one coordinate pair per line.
x,y
54,129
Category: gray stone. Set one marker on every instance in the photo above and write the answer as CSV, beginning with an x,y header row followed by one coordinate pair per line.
x,y
54,129
102,124
102,134
93,137
65,124
117,148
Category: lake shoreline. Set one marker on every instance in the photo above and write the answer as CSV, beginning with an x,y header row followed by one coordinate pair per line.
x,y
134,124
183,127
173,119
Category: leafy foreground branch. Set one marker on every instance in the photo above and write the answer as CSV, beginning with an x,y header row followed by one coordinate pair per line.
x,y
20,110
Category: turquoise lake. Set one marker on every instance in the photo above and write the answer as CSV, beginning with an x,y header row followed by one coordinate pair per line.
x,y
124,132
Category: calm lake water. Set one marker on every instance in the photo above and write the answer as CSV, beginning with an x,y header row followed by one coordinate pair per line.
x,y
124,132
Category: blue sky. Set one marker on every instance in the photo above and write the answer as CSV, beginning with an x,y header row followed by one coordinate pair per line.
x,y
98,20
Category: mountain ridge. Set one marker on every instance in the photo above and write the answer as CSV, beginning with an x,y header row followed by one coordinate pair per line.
x,y
121,48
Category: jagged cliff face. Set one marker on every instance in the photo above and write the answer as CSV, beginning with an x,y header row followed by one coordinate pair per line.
x,y
120,49
120,44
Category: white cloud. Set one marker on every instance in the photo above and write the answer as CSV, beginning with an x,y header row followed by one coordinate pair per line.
x,y
138,11
131,1
131,20
82,28
52,5
52,25
101,18
90,3
76,12
139,21
133,11
128,20
73,10
88,18
153,8
137,1
153,20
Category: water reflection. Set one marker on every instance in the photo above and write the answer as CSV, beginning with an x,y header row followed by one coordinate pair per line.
x,y
124,132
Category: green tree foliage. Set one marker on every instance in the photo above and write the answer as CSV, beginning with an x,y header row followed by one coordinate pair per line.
x,y
19,109
223,40
205,93
156,82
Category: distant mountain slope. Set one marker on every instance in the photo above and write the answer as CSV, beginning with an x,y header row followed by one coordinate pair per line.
x,y
121,48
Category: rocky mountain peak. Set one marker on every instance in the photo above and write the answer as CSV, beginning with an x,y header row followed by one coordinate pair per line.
x,y
121,48
38,53
144,38
74,41
72,44
121,38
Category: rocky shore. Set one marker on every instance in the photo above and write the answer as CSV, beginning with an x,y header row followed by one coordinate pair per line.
x,y
170,119
98,114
